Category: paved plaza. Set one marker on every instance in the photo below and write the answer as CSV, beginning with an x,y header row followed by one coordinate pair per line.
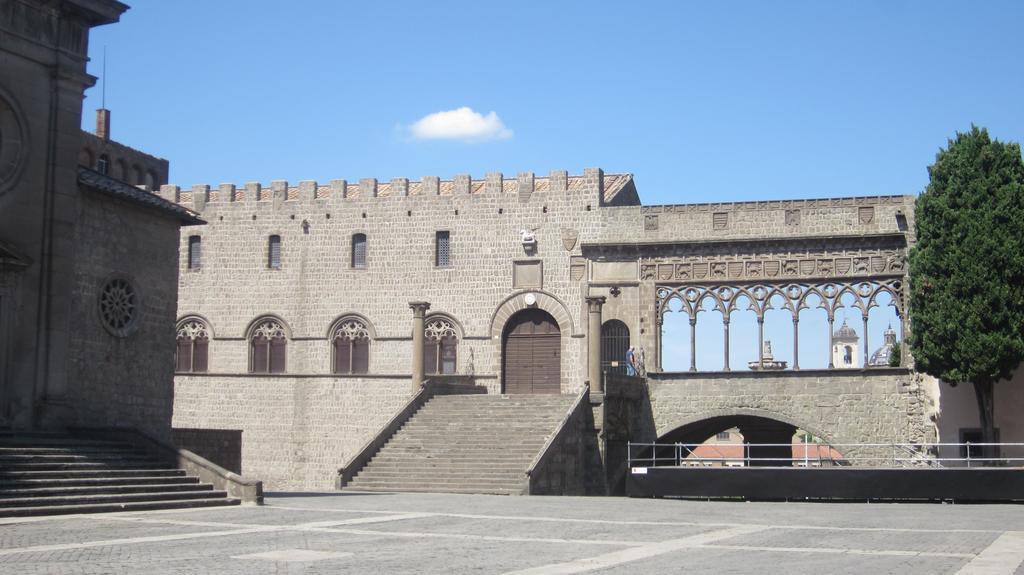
x,y
434,533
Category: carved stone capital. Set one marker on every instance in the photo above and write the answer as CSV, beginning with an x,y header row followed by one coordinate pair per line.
x,y
419,308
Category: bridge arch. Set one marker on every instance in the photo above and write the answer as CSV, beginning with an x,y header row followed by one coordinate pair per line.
x,y
759,428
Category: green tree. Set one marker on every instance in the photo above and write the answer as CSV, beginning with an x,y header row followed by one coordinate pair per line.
x,y
967,269
894,356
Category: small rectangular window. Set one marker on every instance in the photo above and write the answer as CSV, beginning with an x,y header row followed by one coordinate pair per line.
x,y
722,436
274,253
359,251
442,250
195,252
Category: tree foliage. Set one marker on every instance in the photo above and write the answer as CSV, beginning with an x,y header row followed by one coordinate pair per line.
x,y
967,268
894,355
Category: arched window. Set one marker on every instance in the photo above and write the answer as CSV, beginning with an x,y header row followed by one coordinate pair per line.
x,y
103,164
274,252
440,346
614,345
267,347
351,345
193,346
847,355
195,252
359,251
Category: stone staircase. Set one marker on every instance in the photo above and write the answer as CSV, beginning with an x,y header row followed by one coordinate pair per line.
x,y
51,474
466,444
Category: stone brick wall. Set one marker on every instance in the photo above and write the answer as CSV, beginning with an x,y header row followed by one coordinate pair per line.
x,y
768,219
124,381
316,283
571,463
877,406
296,431
123,162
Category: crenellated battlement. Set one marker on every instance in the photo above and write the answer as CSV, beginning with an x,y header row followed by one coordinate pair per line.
x,y
605,189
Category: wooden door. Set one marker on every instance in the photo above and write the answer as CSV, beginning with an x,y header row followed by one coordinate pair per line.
x,y
532,353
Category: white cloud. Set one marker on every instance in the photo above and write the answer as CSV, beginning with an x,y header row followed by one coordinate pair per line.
x,y
460,124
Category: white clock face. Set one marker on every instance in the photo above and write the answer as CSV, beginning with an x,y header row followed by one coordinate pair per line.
x,y
12,137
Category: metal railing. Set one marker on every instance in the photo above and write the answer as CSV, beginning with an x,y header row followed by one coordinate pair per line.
x,y
877,455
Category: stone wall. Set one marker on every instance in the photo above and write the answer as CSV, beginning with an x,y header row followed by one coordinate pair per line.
x,y
115,380
316,283
851,406
757,220
571,462
123,162
296,431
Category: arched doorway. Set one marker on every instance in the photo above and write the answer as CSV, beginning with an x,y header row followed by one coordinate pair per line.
x,y
614,345
531,353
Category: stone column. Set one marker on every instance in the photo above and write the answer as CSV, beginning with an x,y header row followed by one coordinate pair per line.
x,y
865,317
419,311
693,342
760,341
594,304
725,322
796,341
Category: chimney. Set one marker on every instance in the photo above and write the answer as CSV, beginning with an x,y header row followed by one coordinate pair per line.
x,y
103,124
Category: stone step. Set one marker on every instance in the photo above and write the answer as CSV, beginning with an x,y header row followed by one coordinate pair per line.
x,y
54,440
487,425
483,442
460,444
83,473
66,490
430,489
97,481
108,498
492,456
113,507
7,459
471,455
442,487
506,399
82,465
83,450
433,477
425,466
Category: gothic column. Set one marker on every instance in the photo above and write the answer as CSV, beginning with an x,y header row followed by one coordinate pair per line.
x,y
725,322
419,312
760,341
796,341
594,304
659,324
693,342
865,316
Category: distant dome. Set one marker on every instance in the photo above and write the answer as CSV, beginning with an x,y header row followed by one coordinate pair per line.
x,y
845,333
882,355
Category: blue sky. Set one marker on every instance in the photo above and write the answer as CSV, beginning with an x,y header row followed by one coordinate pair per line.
x,y
701,101
708,101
